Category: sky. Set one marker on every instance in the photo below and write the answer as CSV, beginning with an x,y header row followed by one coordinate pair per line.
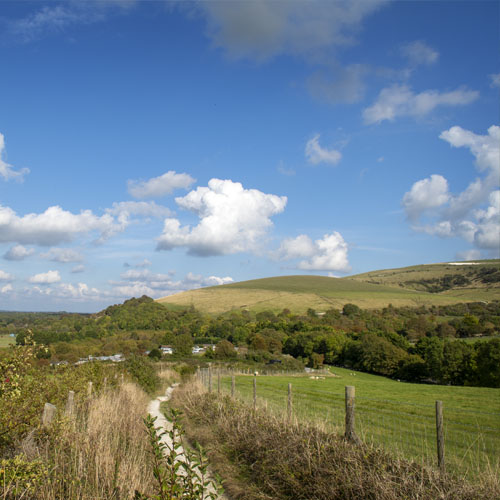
x,y
151,147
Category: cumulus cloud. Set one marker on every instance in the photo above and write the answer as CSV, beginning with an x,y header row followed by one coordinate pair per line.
x,y
8,288
326,254
46,278
399,100
160,186
7,171
127,209
473,214
5,276
78,292
424,195
316,154
232,219
262,29
54,226
139,282
419,52
64,255
18,252
469,255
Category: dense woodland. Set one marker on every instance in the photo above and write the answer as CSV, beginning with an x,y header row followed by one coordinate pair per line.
x,y
424,344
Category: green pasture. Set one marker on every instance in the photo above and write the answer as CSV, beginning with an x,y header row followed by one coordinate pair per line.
x,y
397,415
6,341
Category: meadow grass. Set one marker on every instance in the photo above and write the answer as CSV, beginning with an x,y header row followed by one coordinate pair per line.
x,y
370,290
6,341
399,416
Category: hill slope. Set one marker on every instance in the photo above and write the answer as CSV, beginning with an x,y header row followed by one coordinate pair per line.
x,y
412,286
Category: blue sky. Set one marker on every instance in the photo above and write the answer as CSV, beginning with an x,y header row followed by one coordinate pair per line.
x,y
150,147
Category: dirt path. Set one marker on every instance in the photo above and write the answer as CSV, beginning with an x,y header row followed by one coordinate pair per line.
x,y
163,424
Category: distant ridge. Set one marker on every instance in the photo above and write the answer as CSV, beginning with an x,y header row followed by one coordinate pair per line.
x,y
444,283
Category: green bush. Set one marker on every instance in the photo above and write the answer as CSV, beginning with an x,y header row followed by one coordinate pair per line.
x,y
143,372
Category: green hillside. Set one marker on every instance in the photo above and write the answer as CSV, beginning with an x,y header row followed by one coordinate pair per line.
x,y
411,286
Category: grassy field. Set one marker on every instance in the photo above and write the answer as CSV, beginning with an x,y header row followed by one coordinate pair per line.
x,y
396,415
369,290
6,340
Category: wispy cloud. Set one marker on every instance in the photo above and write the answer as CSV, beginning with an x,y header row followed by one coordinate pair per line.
x,y
7,171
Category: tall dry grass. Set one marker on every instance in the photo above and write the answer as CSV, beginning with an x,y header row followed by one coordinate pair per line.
x,y
262,456
101,453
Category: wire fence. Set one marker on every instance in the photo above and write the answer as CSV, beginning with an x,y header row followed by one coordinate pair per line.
x,y
471,439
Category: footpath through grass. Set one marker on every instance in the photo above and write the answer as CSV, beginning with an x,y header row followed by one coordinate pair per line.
x,y
397,415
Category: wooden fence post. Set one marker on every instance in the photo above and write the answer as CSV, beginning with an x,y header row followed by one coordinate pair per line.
x,y
440,435
218,382
70,404
350,433
49,413
233,384
209,379
289,404
89,388
254,392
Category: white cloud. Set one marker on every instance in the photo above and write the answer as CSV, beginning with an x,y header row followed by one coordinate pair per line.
x,y
419,52
424,195
485,148
46,278
6,170
18,252
473,214
4,276
6,288
53,19
53,226
79,292
495,80
126,209
80,268
64,255
262,29
326,254
400,100
160,186
156,285
316,154
469,255
232,219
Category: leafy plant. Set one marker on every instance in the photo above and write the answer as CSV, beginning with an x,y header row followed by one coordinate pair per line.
x,y
180,473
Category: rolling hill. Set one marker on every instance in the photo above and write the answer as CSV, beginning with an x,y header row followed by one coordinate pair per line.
x,y
445,283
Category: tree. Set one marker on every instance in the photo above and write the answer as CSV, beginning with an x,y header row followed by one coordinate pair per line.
x,y
183,344
224,350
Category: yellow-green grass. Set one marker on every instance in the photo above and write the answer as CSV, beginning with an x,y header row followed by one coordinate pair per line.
x,y
6,341
298,293
396,415
402,276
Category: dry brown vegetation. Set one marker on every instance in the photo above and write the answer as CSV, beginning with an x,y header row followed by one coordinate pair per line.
x,y
101,453
261,456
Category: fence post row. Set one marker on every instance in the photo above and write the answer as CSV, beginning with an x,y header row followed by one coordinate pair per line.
x,y
440,435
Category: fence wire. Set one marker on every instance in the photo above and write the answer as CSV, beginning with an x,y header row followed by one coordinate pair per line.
x,y
472,439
